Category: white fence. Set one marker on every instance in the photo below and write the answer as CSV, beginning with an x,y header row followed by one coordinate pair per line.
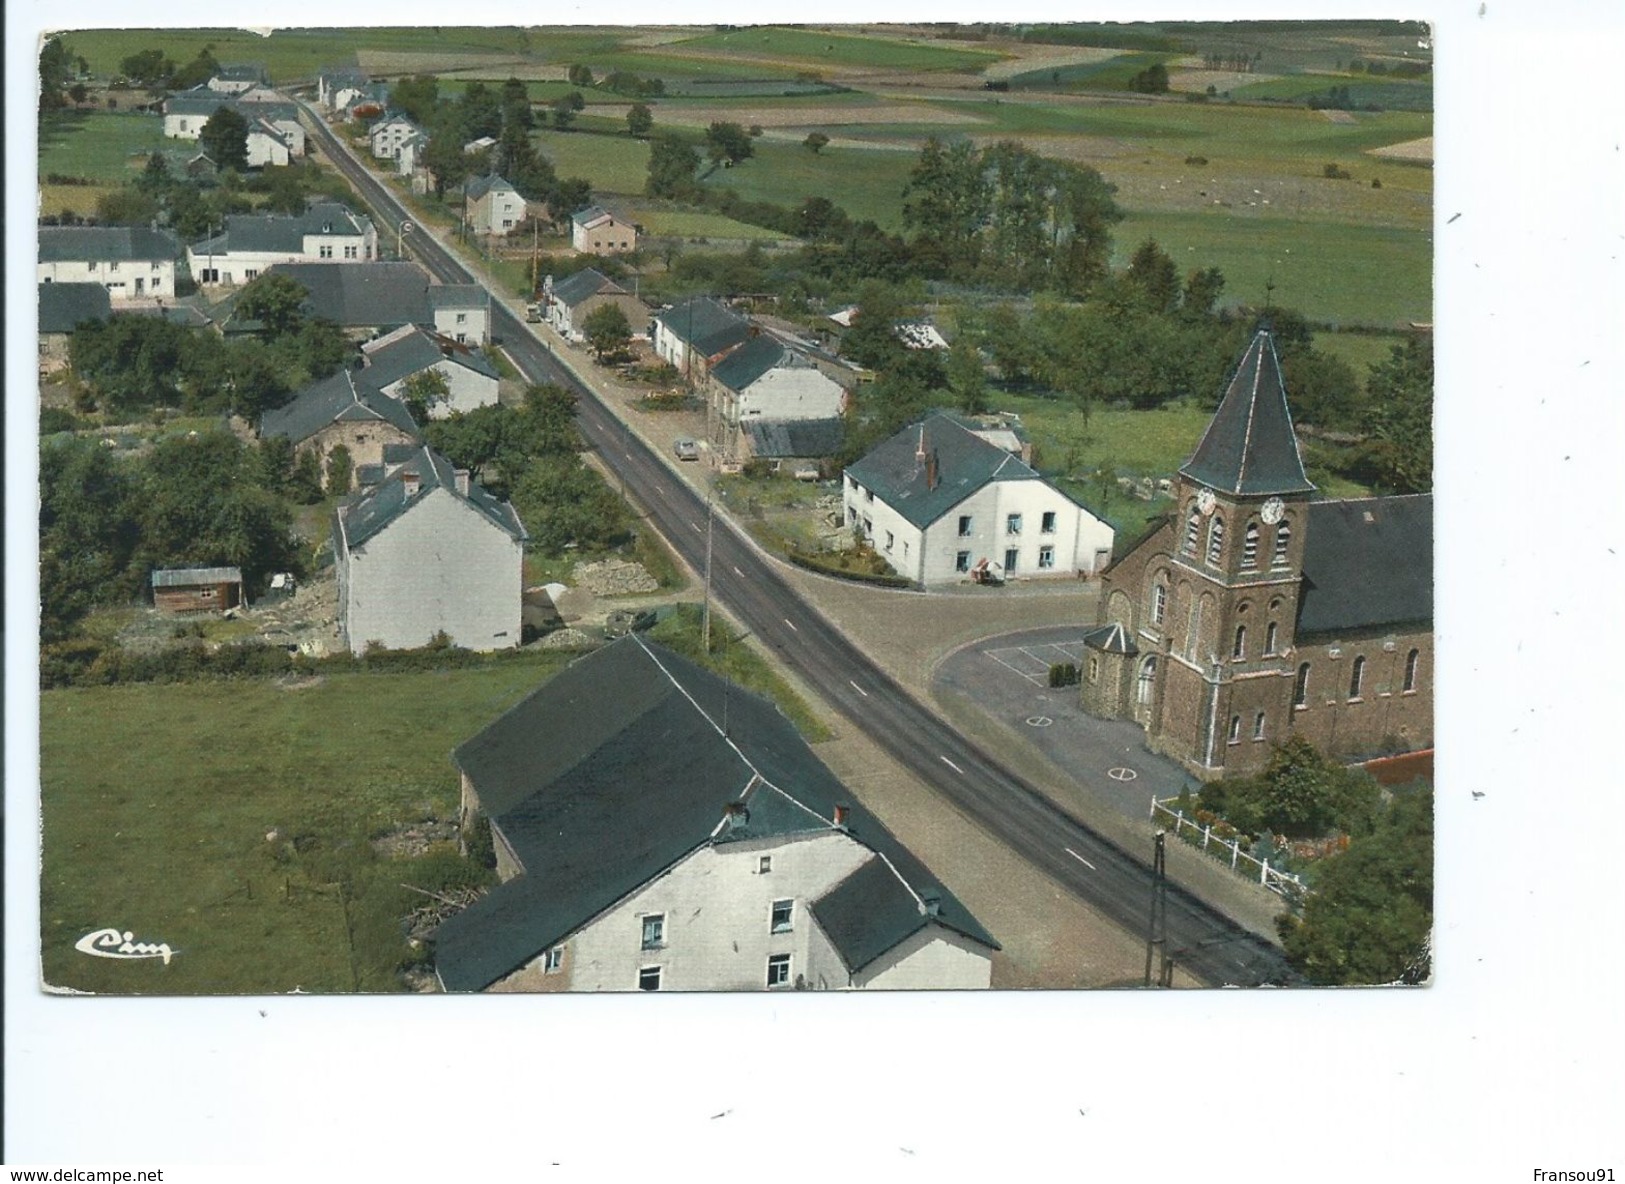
x,y
1284,883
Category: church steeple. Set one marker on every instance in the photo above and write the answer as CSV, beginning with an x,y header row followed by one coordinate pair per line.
x,y
1249,449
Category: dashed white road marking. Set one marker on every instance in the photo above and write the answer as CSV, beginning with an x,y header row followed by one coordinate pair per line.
x,y
953,766
1080,859
858,689
739,573
792,625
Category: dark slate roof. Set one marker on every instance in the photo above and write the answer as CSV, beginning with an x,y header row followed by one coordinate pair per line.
x,y
241,73
478,187
179,314
362,294
62,307
344,74
615,770
369,513
795,437
706,324
183,577
1367,563
965,463
284,232
457,296
755,358
340,396
590,215
1249,447
418,350
573,289
205,102
1111,639
868,913
74,244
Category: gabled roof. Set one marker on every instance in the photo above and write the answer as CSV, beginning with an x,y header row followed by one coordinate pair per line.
x,y
106,244
458,296
284,232
362,294
705,324
63,307
478,187
391,121
205,102
897,474
413,350
372,511
1249,448
181,577
755,358
1367,562
870,912
775,439
590,216
619,767
573,289
241,72
178,314
343,396
334,75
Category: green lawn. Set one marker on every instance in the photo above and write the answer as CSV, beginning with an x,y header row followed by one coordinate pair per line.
x,y
1394,94
814,48
695,224
614,164
669,65
1112,74
865,182
81,199
101,145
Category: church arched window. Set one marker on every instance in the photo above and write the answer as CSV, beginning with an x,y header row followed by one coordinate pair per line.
x,y
1146,684
1215,540
1300,689
1193,527
1283,540
1357,677
1258,726
1239,650
1269,638
1411,660
1159,603
1249,546
1235,729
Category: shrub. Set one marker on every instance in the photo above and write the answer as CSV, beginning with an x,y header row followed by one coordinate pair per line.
x,y
1334,173
830,565
1197,161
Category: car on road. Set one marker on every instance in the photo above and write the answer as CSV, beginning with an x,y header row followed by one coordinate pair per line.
x,y
686,449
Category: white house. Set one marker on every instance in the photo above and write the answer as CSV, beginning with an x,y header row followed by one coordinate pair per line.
x,y
250,243
576,297
131,262
339,86
461,312
596,231
186,113
696,334
657,828
424,552
389,133
941,503
397,356
492,205
267,145
235,80
768,381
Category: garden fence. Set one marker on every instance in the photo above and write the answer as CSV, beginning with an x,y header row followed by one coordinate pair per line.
x,y
1228,851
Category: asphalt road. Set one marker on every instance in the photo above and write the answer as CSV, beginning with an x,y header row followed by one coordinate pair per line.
x,y
1200,939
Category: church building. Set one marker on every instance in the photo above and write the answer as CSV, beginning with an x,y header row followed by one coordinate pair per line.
x,y
1255,611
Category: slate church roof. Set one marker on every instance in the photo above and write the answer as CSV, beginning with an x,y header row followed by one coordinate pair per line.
x,y
1367,563
1249,448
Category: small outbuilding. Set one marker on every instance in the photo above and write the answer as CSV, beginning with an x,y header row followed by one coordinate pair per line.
x,y
197,589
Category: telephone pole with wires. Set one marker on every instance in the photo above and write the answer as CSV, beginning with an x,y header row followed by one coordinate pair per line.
x,y
1156,939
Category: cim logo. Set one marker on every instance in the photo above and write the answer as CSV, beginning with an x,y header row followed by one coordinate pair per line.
x,y
120,944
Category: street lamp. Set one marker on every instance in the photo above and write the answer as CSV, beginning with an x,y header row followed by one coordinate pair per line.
x,y
401,231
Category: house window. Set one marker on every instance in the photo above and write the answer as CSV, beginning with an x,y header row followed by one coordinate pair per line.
x,y
889,540
1012,524
764,865
868,495
1235,729
1411,660
462,318
649,978
157,282
1047,524
868,526
1269,638
1300,689
93,265
351,252
1258,726
1094,668
1239,650
962,561
1249,546
113,266
553,960
1357,677
1010,557
1159,604
782,913
1215,541
851,516
1147,681
507,224
325,251
1193,526
1283,539
654,931
1046,557
778,969
964,526
250,273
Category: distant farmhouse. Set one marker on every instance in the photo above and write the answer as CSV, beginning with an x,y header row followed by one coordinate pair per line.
x,y
942,504
766,381
596,231
428,551
62,309
131,262
402,354
342,409
236,79
272,112
337,87
657,828
696,334
492,205
573,299
367,298
1254,613
251,243
388,134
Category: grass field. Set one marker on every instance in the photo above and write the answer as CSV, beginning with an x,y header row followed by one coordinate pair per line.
x,y
1114,73
100,145
816,48
80,199
614,164
866,183
1396,94
696,224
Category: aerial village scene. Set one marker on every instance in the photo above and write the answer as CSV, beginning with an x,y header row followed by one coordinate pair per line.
x,y
736,508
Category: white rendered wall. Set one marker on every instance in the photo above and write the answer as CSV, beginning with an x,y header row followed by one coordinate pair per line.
x,y
473,327
792,392
934,959
157,276
466,389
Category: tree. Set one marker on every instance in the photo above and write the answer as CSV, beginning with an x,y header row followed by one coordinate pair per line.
x,y
1201,295
564,113
607,331
276,301
445,159
55,73
1152,278
225,139
1153,80
871,340
87,531
340,470
480,112
79,92
815,142
947,199
423,392
128,206
150,67
639,120
819,219
727,141
1400,416
672,164
416,97
580,75
196,72
966,377
516,112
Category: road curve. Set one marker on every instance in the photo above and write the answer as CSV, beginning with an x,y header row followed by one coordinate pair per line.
x,y
1202,940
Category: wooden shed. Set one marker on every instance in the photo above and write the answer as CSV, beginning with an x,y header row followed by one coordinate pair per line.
x,y
197,589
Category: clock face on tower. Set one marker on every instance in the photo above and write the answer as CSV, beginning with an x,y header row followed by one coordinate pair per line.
x,y
1272,511
1205,500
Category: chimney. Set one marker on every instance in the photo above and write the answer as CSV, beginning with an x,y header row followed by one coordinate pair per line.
x,y
932,904
736,815
840,816
931,470
462,481
410,480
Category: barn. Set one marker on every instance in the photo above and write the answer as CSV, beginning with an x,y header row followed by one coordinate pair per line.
x,y
197,589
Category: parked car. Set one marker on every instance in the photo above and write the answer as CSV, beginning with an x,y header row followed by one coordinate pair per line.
x,y
686,449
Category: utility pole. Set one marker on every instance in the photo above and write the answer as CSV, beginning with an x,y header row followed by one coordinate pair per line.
x,y
705,614
1156,940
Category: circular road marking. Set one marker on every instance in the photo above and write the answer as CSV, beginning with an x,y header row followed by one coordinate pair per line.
x,y
1121,774
1039,721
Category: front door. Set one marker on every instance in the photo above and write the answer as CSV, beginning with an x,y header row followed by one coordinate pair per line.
x,y
1010,561
140,286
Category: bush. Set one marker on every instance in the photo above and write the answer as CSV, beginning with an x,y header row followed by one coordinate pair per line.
x,y
1334,173
829,565
1197,161
1063,674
